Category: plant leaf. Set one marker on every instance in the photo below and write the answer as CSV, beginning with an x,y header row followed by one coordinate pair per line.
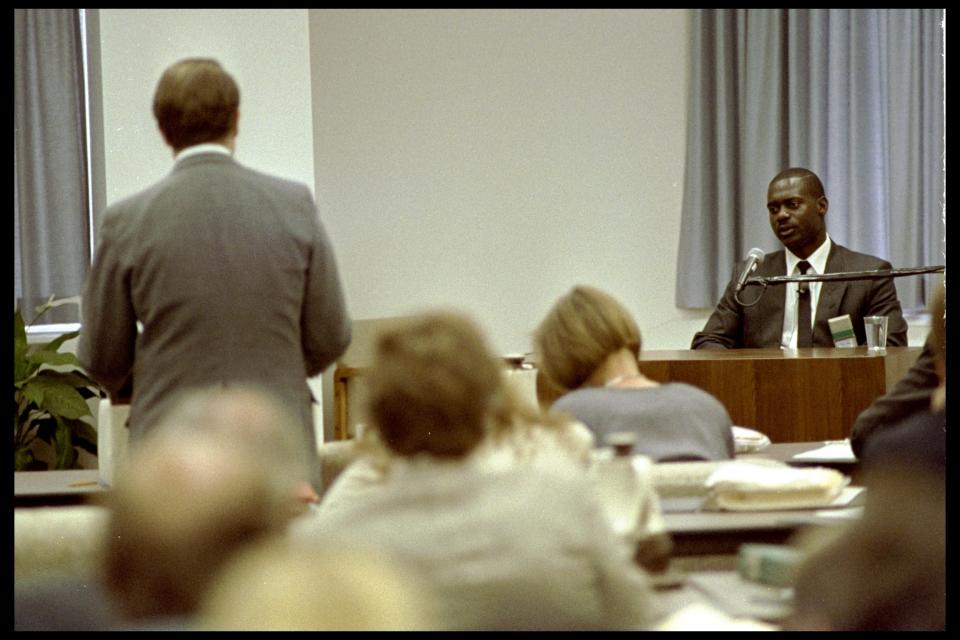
x,y
76,378
84,435
54,395
63,447
22,457
53,358
55,344
21,368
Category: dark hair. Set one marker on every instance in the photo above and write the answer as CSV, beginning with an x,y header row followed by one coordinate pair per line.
x,y
810,179
433,386
196,101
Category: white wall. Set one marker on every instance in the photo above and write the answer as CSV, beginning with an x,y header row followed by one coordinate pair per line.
x,y
491,159
486,160
266,51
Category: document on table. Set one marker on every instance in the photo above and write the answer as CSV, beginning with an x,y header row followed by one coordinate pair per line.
x,y
831,451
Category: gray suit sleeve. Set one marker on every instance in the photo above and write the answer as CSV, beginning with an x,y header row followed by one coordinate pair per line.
x,y
324,322
109,325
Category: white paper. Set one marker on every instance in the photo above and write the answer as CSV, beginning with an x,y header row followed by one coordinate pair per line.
x,y
839,451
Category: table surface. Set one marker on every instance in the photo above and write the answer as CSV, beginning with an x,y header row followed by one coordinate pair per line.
x,y
56,487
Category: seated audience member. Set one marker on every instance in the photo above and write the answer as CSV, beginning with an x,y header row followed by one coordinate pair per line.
x,y
255,417
272,587
922,434
588,347
514,433
910,395
888,571
215,475
511,546
797,206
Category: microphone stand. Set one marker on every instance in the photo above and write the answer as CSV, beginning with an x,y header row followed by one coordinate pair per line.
x,y
841,276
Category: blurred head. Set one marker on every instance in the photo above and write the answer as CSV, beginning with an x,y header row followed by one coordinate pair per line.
x,y
183,505
247,416
273,587
432,385
196,101
582,329
797,205
215,474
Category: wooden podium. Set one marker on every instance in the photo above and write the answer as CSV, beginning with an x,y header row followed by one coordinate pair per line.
x,y
799,395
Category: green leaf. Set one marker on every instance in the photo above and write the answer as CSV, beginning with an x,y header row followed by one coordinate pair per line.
x,y
20,365
52,394
22,457
65,456
55,344
84,435
76,378
53,358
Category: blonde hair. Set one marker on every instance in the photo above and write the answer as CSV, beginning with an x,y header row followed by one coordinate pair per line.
x,y
196,101
581,330
274,586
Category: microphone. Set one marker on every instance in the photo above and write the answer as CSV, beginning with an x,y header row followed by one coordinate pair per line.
x,y
754,258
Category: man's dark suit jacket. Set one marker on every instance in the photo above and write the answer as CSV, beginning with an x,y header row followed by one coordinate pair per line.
x,y
761,326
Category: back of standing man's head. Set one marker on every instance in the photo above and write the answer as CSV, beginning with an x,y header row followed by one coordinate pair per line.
x,y
196,101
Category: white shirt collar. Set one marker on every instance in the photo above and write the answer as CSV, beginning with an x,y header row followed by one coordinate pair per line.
x,y
817,259
206,147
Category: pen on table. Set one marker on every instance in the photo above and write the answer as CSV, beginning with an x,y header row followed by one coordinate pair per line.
x,y
84,483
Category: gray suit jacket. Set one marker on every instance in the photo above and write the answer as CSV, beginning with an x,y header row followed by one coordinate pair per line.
x,y
760,326
231,275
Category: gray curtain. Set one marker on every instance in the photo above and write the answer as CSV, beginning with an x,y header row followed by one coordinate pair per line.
x,y
51,213
855,95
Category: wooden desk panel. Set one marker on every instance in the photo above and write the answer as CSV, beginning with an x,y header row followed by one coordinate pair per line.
x,y
792,396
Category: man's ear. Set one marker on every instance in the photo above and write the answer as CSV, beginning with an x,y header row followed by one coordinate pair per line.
x,y
822,205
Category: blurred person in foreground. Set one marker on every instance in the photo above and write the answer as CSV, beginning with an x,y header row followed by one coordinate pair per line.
x,y
513,547
912,394
588,349
221,470
215,274
218,473
271,587
888,570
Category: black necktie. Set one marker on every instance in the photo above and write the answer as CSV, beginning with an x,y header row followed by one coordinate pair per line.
x,y
804,329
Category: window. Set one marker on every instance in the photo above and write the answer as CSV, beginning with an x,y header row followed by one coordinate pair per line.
x,y
55,193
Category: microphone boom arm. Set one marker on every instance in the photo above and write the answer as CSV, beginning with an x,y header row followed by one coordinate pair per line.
x,y
845,276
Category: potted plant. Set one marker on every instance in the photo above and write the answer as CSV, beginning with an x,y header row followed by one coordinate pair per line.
x,y
50,393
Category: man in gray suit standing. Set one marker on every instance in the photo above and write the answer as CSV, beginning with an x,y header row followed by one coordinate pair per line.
x,y
228,271
797,205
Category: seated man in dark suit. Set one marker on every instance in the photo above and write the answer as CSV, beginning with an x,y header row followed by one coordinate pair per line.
x,y
797,206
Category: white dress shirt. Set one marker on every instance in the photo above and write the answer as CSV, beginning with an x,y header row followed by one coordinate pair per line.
x,y
206,147
818,265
